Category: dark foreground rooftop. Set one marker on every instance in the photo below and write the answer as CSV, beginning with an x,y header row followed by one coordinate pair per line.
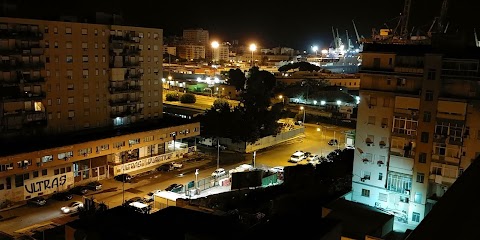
x,y
23,144
170,223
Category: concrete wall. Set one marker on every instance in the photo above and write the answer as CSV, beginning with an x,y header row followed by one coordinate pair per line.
x,y
263,142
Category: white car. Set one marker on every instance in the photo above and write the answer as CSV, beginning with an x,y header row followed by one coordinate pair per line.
x,y
219,172
276,169
72,207
149,196
297,156
176,165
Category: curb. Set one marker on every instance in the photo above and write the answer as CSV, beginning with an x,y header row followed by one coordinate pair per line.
x,y
13,207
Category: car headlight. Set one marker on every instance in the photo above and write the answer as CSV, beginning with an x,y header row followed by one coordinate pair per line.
x,y
65,210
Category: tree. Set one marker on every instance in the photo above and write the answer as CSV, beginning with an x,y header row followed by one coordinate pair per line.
x,y
220,103
188,98
172,97
237,78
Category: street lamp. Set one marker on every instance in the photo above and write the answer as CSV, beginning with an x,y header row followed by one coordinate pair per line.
x,y
283,99
315,49
303,108
253,48
215,46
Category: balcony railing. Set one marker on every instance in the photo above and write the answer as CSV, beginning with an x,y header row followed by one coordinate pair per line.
x,y
124,101
123,89
23,96
10,66
131,51
131,64
133,76
35,118
20,34
125,113
126,38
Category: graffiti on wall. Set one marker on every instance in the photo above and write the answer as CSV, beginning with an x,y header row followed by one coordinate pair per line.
x,y
47,185
152,161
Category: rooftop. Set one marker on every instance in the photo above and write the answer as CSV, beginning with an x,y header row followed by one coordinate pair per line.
x,y
23,144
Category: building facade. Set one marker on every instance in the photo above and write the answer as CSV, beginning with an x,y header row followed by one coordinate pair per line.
x,y
222,53
417,127
62,78
191,52
196,37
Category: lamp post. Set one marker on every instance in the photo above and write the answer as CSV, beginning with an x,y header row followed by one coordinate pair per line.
x,y
283,100
253,48
315,49
215,46
303,108
218,152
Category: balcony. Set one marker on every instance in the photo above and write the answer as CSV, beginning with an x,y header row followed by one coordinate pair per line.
x,y
35,118
124,89
20,34
131,51
127,38
131,64
133,76
401,164
12,96
452,160
125,113
124,101
10,66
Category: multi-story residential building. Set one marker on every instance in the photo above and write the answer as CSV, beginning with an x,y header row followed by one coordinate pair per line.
x,y
196,37
191,52
71,78
222,53
172,50
417,125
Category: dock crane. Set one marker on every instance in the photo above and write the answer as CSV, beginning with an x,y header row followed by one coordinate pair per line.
x,y
359,41
404,19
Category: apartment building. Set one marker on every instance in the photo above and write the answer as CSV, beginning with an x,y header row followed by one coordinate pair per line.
x,y
80,79
191,52
221,53
417,125
196,37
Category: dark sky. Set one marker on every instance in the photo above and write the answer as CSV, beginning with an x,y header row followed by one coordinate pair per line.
x,y
297,24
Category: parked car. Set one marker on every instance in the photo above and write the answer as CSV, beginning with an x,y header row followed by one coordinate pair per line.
x,y
297,156
73,207
333,142
62,196
95,186
166,167
149,196
123,177
313,159
175,187
134,199
219,172
276,169
37,201
79,190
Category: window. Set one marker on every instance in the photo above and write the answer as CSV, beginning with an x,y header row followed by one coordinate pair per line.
x,y
422,157
386,102
85,73
56,171
86,99
68,45
70,100
71,114
84,151
148,139
119,144
390,61
65,155
427,116
401,82
382,197
429,96
371,120
415,217
84,45
47,44
47,158
418,197
85,58
380,176
431,75
376,62
55,30
49,102
68,30
404,199
35,174
365,193
84,31
69,59
103,46
420,177
384,122
44,172
424,137
46,30
405,126
55,44
133,141
155,47
399,182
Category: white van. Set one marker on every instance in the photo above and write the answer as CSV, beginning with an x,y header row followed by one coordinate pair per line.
x,y
141,207
297,156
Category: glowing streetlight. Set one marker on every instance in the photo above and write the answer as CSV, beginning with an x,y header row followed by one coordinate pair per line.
x,y
215,46
253,48
323,102
339,102
283,99
303,109
324,51
315,49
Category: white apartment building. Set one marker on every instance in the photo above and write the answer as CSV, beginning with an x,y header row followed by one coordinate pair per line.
x,y
417,127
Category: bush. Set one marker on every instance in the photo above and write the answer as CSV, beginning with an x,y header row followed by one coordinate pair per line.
x,y
172,97
219,103
188,98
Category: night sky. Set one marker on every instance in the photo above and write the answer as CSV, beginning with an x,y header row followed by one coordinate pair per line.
x,y
297,24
